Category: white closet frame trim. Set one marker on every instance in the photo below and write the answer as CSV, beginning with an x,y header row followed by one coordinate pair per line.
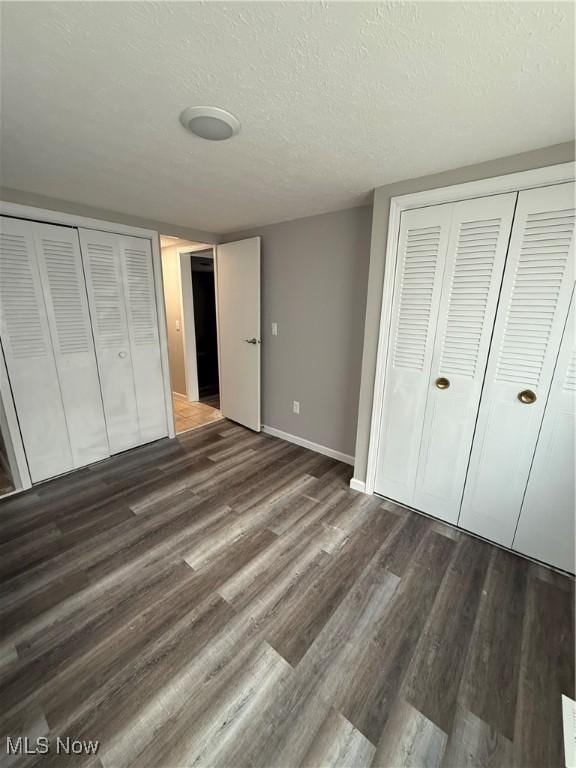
x,y
13,442
72,220
513,182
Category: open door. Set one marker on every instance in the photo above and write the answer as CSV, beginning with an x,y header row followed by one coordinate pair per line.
x,y
238,312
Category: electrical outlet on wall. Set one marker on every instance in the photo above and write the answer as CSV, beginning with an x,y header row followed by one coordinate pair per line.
x,y
296,406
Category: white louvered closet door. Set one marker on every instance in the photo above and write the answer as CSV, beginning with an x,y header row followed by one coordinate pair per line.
x,y
418,283
140,295
546,526
29,355
475,259
62,276
531,315
102,259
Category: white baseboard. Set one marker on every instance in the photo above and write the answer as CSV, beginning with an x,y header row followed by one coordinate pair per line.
x,y
344,457
358,485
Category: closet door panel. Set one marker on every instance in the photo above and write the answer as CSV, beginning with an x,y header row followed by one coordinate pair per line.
x,y
60,266
418,283
104,281
530,320
474,266
29,355
140,297
546,526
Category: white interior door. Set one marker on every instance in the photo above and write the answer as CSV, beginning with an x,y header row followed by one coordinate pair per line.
x,y
422,246
29,355
238,312
62,277
105,284
546,526
531,315
475,261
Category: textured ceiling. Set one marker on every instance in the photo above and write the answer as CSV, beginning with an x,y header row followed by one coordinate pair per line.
x,y
334,98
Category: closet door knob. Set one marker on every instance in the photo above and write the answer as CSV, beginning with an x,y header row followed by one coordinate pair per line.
x,y
527,396
122,354
442,383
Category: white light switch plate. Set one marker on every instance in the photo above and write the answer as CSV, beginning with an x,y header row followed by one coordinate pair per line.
x,y
296,406
274,329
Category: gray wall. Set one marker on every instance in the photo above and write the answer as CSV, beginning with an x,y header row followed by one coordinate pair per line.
x,y
66,206
314,274
559,153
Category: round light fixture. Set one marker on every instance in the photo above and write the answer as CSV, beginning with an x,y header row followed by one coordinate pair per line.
x,y
210,123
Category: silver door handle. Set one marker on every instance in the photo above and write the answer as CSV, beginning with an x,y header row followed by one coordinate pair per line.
x,y
253,340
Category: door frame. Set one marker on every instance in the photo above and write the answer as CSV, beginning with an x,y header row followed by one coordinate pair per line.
x,y
46,216
513,182
10,429
187,315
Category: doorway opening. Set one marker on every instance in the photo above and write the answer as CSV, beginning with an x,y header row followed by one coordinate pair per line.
x,y
190,299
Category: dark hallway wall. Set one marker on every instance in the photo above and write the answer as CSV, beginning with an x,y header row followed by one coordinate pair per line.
x,y
205,325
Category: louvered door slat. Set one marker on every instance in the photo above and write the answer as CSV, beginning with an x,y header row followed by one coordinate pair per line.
x,y
474,266
29,354
60,266
102,258
545,527
531,315
140,296
418,283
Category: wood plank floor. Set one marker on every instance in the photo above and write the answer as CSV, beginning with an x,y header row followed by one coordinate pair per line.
x,y
225,599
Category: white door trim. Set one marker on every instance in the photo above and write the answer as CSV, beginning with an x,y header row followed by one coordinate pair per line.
x,y
187,315
17,210
11,432
188,326
513,182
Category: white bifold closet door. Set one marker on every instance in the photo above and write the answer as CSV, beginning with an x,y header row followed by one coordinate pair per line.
x,y
545,529
449,270
49,348
531,316
121,292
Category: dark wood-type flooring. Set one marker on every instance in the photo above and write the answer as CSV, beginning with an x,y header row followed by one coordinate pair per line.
x,y
225,599
6,485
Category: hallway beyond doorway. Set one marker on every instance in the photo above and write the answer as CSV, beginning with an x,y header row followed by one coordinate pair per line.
x,y
189,415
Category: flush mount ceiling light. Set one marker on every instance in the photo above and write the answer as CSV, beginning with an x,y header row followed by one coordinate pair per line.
x,y
210,123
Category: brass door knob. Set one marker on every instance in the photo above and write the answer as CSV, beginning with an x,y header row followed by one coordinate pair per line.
x,y
527,396
442,383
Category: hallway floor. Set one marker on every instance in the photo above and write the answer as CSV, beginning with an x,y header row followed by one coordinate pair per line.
x,y
189,415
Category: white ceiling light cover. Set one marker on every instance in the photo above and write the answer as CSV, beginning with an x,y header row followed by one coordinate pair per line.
x,y
210,123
